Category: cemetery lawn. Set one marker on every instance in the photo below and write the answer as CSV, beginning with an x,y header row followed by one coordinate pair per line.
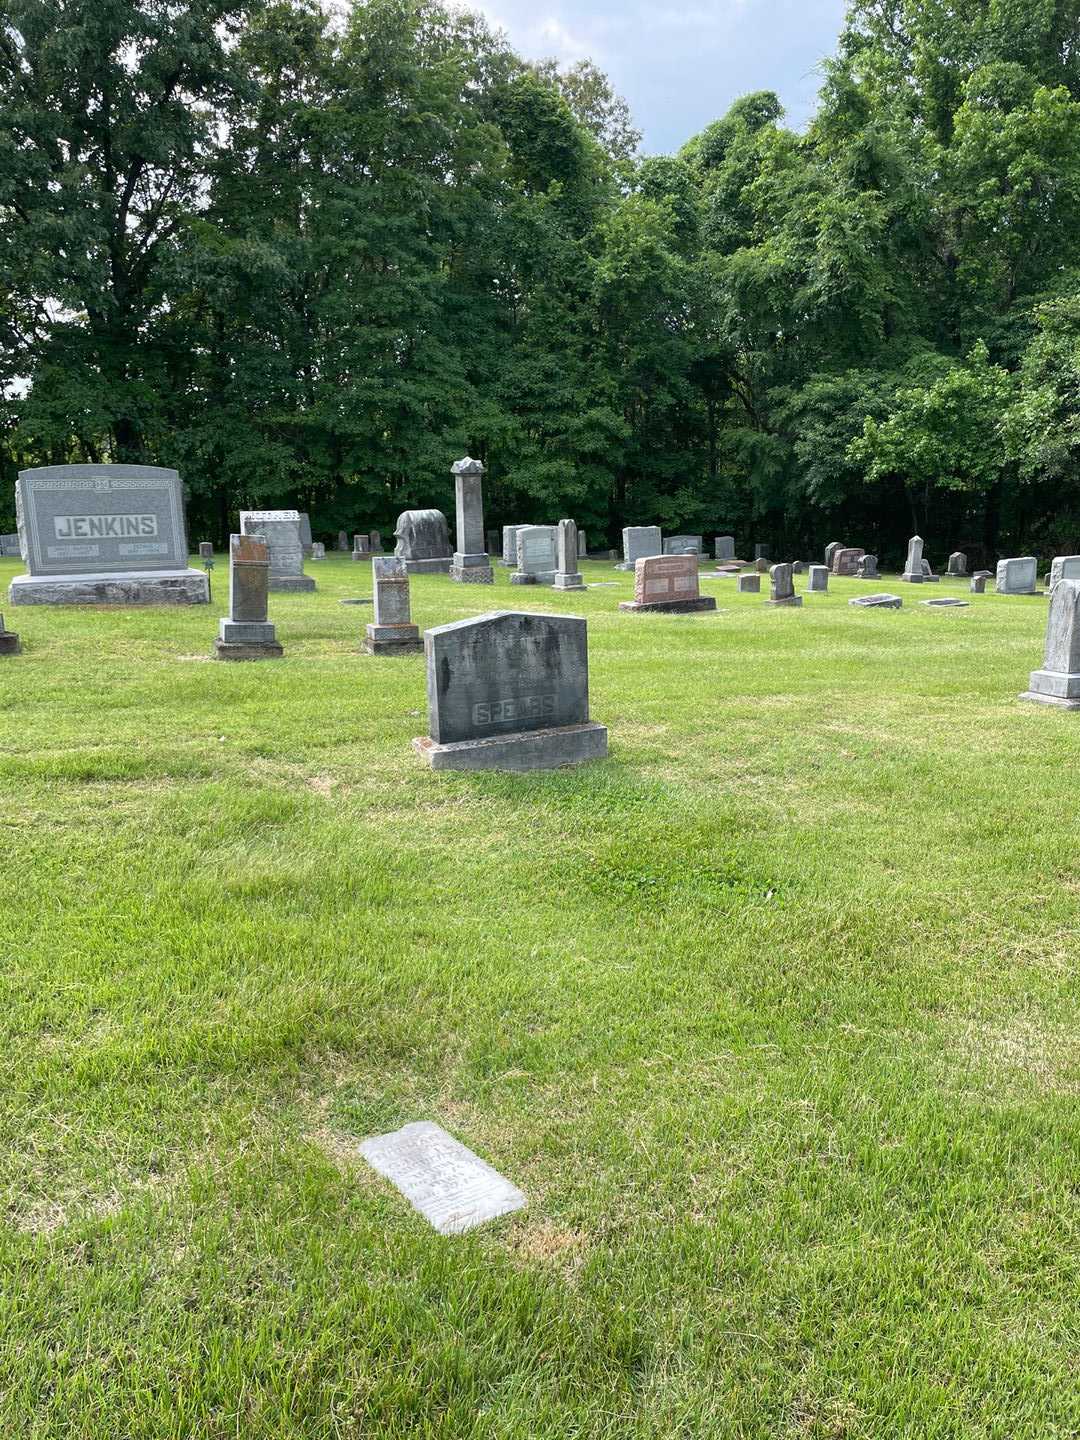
x,y
774,1015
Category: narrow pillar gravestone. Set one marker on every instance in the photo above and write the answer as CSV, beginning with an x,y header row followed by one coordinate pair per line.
x,y
392,631
957,564
281,531
567,575
748,584
978,581
581,550
535,555
423,542
1058,682
830,550
724,547
471,564
817,577
247,634
305,532
9,641
667,584
782,587
509,691
361,546
913,569
640,542
342,542
1017,576
206,550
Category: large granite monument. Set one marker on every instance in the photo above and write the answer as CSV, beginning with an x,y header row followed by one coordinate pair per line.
x,y
247,633
1017,576
1064,567
104,535
1058,682
471,564
392,631
667,584
281,531
509,691
423,542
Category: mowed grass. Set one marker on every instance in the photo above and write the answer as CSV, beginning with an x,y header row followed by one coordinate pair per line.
x,y
774,1016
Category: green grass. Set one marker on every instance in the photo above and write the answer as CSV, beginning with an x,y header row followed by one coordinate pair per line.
x,y
774,1016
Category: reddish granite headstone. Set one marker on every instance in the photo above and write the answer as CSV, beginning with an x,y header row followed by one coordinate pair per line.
x,y
846,561
667,582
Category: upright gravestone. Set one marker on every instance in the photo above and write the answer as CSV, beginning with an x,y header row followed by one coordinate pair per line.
x,y
913,569
748,584
509,545
724,547
1064,567
667,584
535,555
683,545
761,552
206,550
1058,682
978,581
639,542
9,546
342,542
1017,576
375,542
867,568
761,565
581,545
392,632
423,542
104,535
305,532
846,560
247,634
782,587
361,545
493,542
957,564
471,564
830,550
567,575
281,531
9,641
509,691
318,550
928,573
817,577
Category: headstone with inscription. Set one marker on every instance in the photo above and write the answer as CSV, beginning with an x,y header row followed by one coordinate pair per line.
x,y
724,547
914,573
104,535
535,555
782,587
1058,682
884,601
281,531
978,581
423,542
509,545
342,542
9,641
471,564
1064,567
392,631
846,560
830,550
1017,576
450,1186
748,584
817,577
247,633
639,542
667,584
683,545
361,545
567,575
868,568
957,564
509,691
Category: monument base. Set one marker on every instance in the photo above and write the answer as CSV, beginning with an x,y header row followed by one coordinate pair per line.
x,y
522,577
130,587
568,581
292,584
913,579
789,601
1054,687
523,750
247,650
391,640
472,574
428,567
669,607
1050,700
9,643
362,554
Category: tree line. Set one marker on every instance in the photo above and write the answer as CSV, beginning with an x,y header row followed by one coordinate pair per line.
x,y
311,259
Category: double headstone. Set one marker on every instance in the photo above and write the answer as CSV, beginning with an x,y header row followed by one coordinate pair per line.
x,y
509,691
817,577
668,584
423,542
281,531
535,555
845,561
9,641
782,587
392,632
1017,576
1058,682
247,634
640,542
914,572
471,564
724,547
104,535
567,575
318,550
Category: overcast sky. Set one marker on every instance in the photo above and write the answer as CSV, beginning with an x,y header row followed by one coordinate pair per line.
x,y
681,65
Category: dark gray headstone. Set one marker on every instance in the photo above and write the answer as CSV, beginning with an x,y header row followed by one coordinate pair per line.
x,y
423,542
247,633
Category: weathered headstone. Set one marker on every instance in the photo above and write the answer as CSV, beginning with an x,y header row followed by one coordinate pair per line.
x,y
535,555
798,567
581,550
761,552
846,560
761,565
877,602
206,550
343,542
724,547
683,545
1017,576
567,575
817,577
957,564
978,581
450,1186
104,535
1064,567
1058,682
509,545
913,569
305,532
748,585
947,602
509,691
247,634
668,584
867,568
318,550
782,587
281,531
640,542
392,632
928,574
9,546
423,542
9,641
493,542
375,542
471,564
361,546
830,550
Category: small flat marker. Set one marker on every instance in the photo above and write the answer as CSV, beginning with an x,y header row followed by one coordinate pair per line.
x,y
450,1186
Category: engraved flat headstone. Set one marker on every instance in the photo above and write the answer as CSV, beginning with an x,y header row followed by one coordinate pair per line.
x,y
782,587
883,601
247,634
281,531
817,577
471,563
914,572
423,542
509,691
668,584
640,542
535,555
441,1178
1058,682
104,535
948,602
1017,576
567,575
392,631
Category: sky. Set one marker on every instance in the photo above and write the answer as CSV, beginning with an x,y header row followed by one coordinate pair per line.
x,y
681,65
